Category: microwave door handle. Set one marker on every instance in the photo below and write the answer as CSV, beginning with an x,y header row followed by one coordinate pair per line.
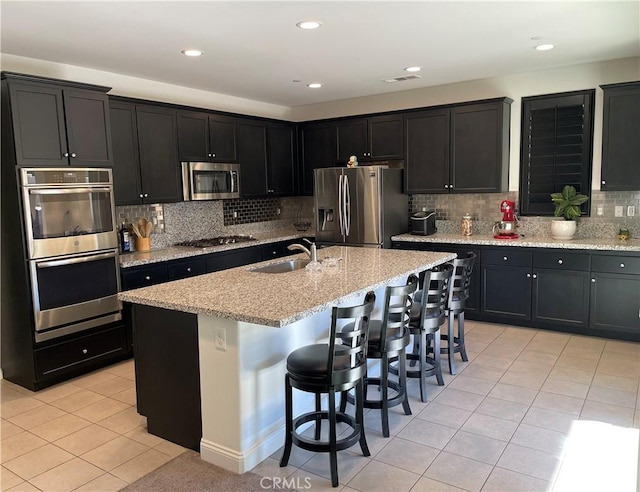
x,y
71,261
55,191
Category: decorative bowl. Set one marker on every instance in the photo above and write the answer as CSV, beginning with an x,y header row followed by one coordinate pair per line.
x,y
302,226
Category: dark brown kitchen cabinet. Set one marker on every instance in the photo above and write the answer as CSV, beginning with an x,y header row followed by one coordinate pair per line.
x,y
252,154
620,169
146,168
317,141
204,137
458,149
560,297
375,138
58,123
281,143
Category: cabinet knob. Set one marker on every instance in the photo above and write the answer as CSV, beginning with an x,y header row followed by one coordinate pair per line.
x,y
66,154
274,253
73,154
505,258
85,351
593,280
213,155
446,186
451,186
188,269
140,195
535,276
146,195
604,182
621,265
528,275
209,154
147,277
559,262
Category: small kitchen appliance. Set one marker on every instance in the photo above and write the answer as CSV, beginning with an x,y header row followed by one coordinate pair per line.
x,y
506,228
423,223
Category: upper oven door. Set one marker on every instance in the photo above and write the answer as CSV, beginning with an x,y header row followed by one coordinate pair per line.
x,y
211,181
67,220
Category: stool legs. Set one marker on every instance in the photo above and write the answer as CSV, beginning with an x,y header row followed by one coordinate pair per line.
x,y
288,438
451,343
333,452
360,417
316,436
455,343
460,338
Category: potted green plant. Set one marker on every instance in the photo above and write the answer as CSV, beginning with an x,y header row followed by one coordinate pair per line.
x,y
568,207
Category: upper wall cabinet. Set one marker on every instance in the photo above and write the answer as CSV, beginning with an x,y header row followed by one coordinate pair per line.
x,y
370,139
620,142
459,149
204,137
317,141
281,143
58,123
146,168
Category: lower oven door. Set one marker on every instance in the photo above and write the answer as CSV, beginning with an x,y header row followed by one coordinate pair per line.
x,y
75,292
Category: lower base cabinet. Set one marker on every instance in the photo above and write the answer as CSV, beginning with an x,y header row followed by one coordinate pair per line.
x,y
506,293
615,302
560,298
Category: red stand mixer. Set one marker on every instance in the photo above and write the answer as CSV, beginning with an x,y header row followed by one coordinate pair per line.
x,y
506,228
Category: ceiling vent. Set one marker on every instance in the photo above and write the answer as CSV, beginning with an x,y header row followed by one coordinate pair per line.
x,y
402,78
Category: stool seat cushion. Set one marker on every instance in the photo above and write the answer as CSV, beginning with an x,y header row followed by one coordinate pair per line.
x,y
311,361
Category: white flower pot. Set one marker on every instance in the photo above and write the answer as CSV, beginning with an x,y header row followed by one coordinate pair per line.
x,y
563,229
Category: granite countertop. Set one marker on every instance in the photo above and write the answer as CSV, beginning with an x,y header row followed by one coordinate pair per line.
x,y
176,252
280,299
529,242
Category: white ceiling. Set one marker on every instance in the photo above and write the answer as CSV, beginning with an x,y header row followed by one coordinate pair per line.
x,y
253,50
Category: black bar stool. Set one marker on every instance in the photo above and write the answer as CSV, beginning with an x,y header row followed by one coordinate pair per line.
x,y
428,314
388,338
329,368
458,294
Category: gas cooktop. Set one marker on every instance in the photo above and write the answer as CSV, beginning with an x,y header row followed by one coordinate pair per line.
x,y
217,241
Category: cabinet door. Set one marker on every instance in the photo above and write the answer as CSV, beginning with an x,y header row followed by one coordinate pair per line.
x,y
506,292
159,164
386,137
427,152
223,142
252,154
615,302
351,140
126,161
88,128
281,160
477,161
317,151
620,142
561,297
193,136
38,125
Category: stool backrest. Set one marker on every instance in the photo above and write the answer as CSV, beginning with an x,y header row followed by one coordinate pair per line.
x,y
435,292
349,345
460,281
397,310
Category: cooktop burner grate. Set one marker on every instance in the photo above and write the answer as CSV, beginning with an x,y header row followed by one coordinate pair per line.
x,y
216,241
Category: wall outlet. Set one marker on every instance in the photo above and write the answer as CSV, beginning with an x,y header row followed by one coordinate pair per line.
x,y
631,211
278,211
235,214
600,211
221,339
618,211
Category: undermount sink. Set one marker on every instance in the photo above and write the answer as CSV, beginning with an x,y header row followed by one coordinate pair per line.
x,y
282,266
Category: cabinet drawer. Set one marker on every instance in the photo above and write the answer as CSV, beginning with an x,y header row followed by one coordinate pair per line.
x,y
507,257
136,277
187,268
561,260
615,264
274,250
67,356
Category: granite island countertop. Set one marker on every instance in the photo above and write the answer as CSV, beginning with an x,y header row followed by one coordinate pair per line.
x,y
176,252
280,299
529,242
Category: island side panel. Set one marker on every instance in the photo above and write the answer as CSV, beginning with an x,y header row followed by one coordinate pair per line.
x,y
167,373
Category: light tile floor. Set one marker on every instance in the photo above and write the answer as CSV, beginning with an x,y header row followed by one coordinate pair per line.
x,y
529,411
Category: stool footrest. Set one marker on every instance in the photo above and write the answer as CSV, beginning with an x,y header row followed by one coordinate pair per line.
x,y
321,446
391,402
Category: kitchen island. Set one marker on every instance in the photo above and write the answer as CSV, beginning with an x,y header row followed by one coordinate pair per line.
x,y
234,330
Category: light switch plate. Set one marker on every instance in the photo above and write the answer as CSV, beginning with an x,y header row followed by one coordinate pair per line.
x,y
631,211
221,339
618,211
600,211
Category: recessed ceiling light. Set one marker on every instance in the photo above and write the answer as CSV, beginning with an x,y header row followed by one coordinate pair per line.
x,y
192,52
314,85
544,47
413,69
309,24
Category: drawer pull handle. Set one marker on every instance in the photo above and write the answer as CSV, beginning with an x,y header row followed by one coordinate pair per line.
x,y
189,269
505,258
85,351
559,262
621,265
147,277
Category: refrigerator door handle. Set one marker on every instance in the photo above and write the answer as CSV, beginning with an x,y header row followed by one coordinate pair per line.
x,y
340,206
347,206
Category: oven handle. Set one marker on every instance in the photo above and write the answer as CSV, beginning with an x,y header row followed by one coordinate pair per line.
x,y
49,191
70,261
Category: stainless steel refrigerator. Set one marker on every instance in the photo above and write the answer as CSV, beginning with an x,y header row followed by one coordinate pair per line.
x,y
361,206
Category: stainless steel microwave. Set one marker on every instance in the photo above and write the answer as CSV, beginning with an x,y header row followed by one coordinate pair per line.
x,y
210,181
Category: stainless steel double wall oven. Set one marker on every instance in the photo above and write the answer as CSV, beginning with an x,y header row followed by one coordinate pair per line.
x,y
72,246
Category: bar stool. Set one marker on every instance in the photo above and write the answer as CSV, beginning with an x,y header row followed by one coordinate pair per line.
x,y
337,366
458,294
388,338
428,314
